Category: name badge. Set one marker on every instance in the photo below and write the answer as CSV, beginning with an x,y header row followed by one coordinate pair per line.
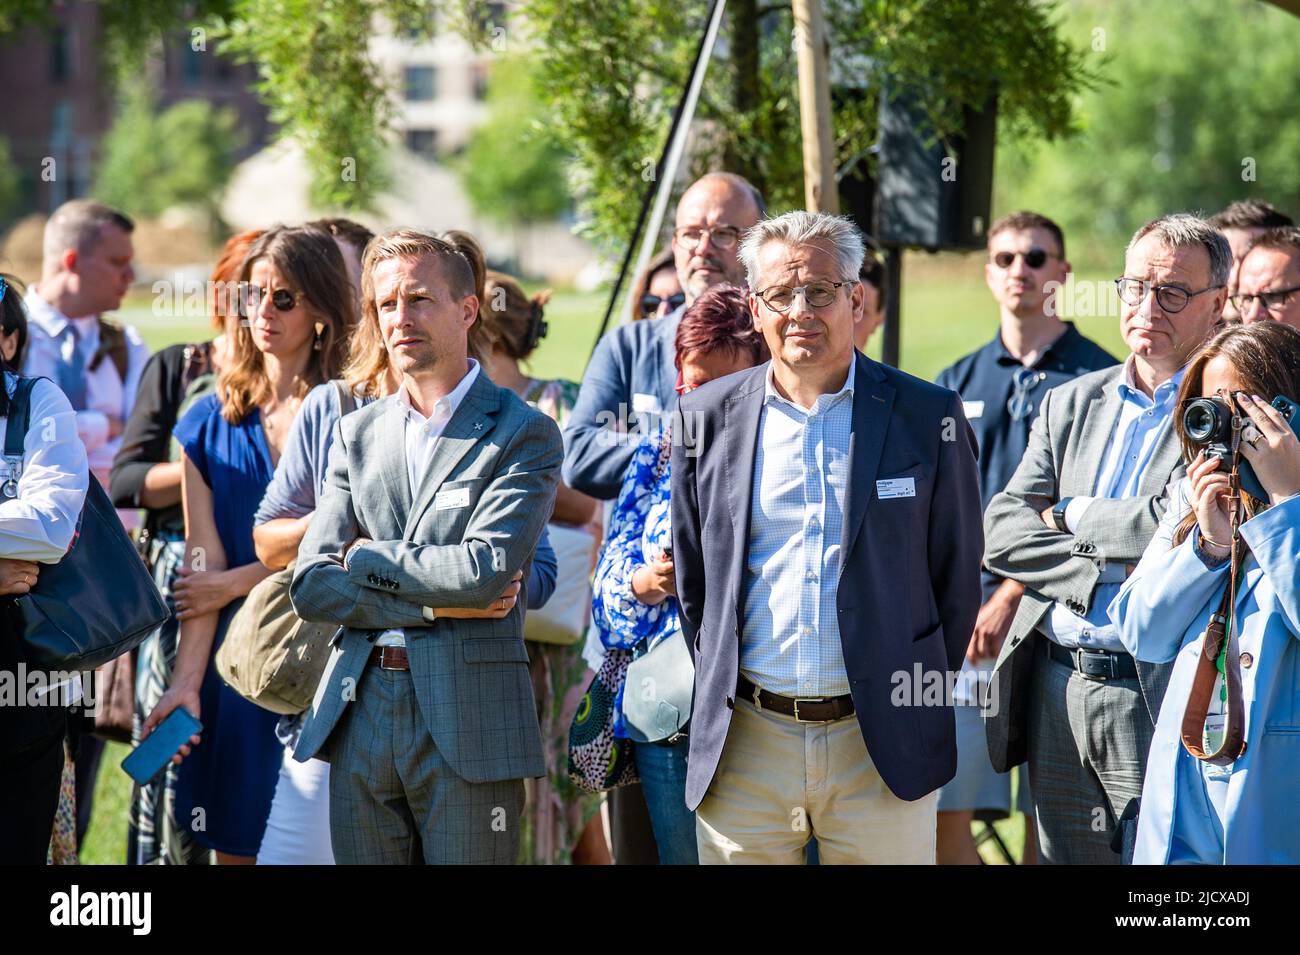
x,y
645,404
973,409
451,498
896,487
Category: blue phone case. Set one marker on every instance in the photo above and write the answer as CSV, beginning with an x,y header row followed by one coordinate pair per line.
x,y
148,759
1249,482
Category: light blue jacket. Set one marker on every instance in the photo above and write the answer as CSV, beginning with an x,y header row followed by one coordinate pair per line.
x,y
1161,613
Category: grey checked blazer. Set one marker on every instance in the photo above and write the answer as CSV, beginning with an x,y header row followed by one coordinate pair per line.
x,y
475,520
1067,448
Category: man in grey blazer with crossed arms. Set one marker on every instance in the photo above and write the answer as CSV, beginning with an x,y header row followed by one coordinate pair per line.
x,y
1074,519
436,497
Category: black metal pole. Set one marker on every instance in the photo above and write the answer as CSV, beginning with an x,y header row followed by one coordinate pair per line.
x,y
655,184
890,342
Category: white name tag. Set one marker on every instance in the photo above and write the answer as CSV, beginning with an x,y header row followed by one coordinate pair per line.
x,y
896,487
645,404
451,498
973,409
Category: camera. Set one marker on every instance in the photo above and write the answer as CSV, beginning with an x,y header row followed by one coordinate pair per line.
x,y
1207,423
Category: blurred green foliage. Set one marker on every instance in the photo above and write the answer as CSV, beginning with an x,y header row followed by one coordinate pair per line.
x,y
513,169
152,160
1198,110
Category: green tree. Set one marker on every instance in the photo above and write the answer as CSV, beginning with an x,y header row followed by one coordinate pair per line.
x,y
152,160
513,170
613,70
1198,111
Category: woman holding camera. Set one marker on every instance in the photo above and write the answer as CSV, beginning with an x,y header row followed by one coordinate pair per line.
x,y
1245,810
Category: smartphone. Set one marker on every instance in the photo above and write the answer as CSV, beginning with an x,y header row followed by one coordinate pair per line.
x,y
149,758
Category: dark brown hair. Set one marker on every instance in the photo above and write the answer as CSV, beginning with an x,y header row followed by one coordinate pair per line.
x,y
308,258
1022,221
1266,358
1250,214
511,318
353,233
719,320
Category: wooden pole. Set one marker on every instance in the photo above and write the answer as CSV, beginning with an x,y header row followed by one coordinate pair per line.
x,y
812,49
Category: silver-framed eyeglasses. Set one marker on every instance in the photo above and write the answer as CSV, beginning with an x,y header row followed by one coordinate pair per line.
x,y
779,298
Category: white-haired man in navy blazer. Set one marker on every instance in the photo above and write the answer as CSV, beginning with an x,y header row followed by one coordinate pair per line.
x,y
835,503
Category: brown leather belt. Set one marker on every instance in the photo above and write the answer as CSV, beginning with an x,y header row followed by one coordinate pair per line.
x,y
824,709
389,658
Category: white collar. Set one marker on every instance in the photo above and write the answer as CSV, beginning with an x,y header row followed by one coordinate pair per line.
x,y
445,406
50,319
770,393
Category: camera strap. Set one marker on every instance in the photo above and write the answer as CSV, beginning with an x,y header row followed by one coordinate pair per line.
x,y
1219,654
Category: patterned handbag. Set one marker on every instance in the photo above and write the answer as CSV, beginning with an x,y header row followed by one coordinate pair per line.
x,y
598,760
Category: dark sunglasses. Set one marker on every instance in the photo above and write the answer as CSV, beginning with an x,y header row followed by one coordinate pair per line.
x,y
1034,258
282,298
651,303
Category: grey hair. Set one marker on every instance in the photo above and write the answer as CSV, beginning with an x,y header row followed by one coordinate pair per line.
x,y
1181,229
802,228
76,225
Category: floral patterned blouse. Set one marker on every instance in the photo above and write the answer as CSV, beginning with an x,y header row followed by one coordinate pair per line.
x,y
639,531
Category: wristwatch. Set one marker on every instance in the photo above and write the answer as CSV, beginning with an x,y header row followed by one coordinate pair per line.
x,y
1058,514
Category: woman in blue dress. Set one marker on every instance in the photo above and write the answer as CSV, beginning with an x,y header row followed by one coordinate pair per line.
x,y
634,603
300,308
1248,810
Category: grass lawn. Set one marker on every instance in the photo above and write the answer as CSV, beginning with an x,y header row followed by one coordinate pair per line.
x,y
947,312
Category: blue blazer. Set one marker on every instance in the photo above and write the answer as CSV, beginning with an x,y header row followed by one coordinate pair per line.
x,y
630,381
909,590
1161,614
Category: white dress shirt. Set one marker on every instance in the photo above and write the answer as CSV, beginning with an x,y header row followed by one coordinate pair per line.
x,y
106,393
422,436
791,639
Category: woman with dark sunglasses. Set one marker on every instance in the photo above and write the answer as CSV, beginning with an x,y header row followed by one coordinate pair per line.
x,y
298,308
657,291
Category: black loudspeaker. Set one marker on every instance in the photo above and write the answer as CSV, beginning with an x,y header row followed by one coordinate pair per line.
x,y
927,197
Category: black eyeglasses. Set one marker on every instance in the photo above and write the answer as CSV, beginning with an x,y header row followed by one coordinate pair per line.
x,y
1272,300
724,236
282,298
650,303
1171,298
1034,258
779,298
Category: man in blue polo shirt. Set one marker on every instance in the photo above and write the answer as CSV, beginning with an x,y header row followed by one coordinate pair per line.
x,y
1001,386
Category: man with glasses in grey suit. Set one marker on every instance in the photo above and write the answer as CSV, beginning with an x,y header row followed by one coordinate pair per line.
x,y
436,497
1074,519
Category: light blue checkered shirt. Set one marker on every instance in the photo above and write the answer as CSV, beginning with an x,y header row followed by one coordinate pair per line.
x,y
1141,424
791,639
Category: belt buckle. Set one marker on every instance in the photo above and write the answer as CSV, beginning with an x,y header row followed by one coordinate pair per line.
x,y
758,704
1095,677
383,660
800,719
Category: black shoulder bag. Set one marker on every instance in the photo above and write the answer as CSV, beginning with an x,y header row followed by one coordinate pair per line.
x,y
99,601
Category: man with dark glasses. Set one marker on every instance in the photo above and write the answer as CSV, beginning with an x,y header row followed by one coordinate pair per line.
x,y
1268,281
1002,385
1074,518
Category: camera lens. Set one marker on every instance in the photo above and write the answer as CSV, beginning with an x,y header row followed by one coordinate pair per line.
x,y
1200,421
